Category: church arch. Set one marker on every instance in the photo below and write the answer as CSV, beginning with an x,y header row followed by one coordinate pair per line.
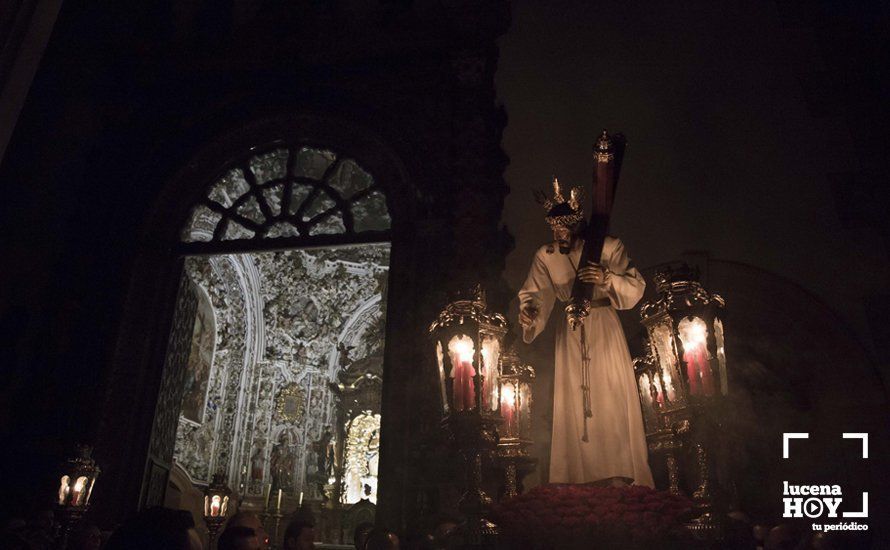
x,y
253,149
351,332
158,264
288,190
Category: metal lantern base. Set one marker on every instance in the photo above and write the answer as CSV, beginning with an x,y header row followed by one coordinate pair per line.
x,y
479,531
69,518
214,526
708,527
473,434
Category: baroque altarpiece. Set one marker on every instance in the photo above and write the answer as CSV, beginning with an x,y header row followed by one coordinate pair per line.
x,y
281,389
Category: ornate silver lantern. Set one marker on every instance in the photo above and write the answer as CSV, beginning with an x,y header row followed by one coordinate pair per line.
x,y
468,340
76,484
468,346
683,379
216,504
515,401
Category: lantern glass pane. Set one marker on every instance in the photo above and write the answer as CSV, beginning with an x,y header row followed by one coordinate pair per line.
x,y
721,356
647,389
525,409
462,351
509,413
440,357
491,351
215,505
63,489
645,384
225,506
694,336
659,383
79,491
90,490
206,505
662,339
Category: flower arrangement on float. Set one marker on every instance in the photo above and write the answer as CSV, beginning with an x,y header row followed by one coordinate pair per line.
x,y
568,516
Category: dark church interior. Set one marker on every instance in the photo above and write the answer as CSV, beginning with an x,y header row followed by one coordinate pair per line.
x,y
266,274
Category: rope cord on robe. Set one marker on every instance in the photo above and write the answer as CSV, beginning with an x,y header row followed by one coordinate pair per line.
x,y
585,381
585,372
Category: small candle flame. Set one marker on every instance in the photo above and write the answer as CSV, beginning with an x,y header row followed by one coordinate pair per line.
x,y
507,394
464,351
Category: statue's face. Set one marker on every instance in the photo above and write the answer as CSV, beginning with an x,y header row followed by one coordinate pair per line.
x,y
565,237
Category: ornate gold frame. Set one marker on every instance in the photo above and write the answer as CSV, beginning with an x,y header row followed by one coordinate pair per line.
x,y
292,390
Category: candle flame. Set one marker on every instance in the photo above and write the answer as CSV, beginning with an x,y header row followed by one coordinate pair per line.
x,y
507,395
693,332
464,351
697,334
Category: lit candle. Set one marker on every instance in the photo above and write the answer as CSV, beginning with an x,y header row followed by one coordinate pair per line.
x,y
695,354
301,498
700,380
278,507
78,489
214,506
508,407
464,390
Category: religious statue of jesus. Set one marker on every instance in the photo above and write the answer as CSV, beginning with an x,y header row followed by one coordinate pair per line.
x,y
598,431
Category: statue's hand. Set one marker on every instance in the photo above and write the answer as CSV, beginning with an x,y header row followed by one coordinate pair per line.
x,y
593,273
527,316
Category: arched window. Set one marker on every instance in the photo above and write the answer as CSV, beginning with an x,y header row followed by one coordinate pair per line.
x,y
289,191
289,240
285,223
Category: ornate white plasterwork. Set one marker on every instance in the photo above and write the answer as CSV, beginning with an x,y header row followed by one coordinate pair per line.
x,y
279,318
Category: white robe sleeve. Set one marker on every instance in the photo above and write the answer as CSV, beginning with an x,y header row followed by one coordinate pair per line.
x,y
537,292
625,285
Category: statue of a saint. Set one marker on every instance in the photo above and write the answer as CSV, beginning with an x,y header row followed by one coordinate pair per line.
x,y
343,359
324,453
598,430
282,463
257,461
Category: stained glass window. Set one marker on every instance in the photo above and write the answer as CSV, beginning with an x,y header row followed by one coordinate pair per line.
x,y
297,191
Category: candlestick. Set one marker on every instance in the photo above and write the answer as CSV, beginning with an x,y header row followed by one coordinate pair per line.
x,y
278,506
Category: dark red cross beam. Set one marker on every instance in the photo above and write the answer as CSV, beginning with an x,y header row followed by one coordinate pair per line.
x,y
608,153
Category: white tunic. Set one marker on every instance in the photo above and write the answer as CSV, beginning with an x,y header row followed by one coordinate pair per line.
x,y
617,443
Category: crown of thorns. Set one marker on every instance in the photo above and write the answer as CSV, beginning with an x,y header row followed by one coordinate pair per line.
x,y
562,212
